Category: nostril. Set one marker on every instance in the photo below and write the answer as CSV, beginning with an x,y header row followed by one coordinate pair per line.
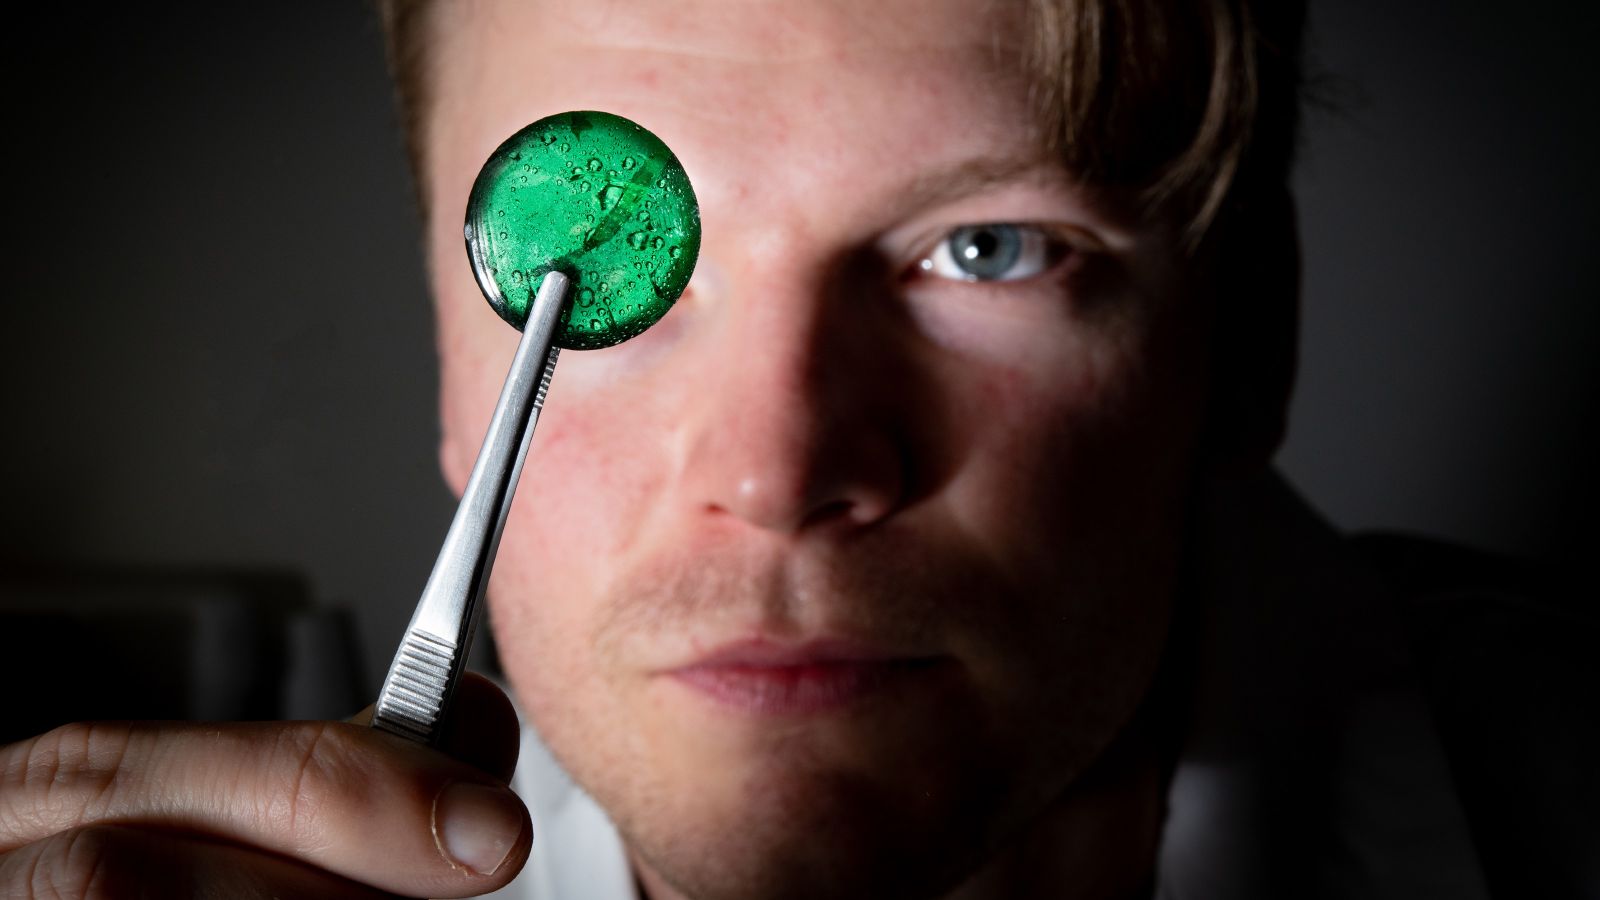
x,y
774,505
836,510
810,490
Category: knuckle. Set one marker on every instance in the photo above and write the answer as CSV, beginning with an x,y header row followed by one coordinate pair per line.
x,y
322,759
77,765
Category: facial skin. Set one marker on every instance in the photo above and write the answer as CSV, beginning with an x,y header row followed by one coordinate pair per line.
x,y
828,440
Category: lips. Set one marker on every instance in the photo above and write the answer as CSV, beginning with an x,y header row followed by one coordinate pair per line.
x,y
762,677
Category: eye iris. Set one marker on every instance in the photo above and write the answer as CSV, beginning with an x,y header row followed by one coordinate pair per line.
x,y
985,251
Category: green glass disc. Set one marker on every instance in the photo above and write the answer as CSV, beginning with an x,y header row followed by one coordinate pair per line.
x,y
595,197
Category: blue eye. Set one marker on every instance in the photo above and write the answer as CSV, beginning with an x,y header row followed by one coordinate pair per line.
x,y
992,253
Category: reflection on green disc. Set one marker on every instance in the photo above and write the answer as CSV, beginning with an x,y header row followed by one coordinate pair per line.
x,y
598,198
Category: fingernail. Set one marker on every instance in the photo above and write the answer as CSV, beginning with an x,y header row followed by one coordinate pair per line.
x,y
475,825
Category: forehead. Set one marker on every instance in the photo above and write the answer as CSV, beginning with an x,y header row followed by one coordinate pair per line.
x,y
803,91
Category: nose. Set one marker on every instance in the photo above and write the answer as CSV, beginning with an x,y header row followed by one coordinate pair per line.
x,y
795,426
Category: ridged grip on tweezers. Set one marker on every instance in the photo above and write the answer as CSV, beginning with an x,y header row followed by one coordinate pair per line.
x,y
413,697
433,653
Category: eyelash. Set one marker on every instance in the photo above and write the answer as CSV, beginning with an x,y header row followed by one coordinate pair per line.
x,y
1038,251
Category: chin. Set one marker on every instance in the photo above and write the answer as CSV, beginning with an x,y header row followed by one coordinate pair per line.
x,y
788,831
871,805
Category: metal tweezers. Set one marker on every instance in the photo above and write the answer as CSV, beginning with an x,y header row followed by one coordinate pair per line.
x,y
433,653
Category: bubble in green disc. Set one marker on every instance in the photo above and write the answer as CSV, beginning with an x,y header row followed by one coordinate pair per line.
x,y
595,197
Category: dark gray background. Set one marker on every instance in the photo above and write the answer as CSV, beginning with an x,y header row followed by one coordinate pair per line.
x,y
217,346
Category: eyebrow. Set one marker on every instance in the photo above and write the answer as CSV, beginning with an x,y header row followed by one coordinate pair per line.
x,y
974,176
979,174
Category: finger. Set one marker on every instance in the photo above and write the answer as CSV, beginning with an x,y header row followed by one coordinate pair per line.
x,y
365,805
481,728
120,861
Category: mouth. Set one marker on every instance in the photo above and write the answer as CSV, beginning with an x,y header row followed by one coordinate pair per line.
x,y
766,678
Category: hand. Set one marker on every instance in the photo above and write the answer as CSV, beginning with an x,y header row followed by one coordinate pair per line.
x,y
285,809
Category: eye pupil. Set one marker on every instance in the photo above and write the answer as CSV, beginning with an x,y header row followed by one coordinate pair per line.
x,y
983,244
985,252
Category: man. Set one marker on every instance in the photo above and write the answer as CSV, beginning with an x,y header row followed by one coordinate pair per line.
x,y
846,574
923,550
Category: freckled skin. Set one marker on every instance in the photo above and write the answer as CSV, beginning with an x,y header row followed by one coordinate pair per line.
x,y
819,439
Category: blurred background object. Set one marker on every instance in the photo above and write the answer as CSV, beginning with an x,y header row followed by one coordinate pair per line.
x,y
86,642
219,377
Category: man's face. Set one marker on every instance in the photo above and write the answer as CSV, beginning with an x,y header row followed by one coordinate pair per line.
x,y
844,572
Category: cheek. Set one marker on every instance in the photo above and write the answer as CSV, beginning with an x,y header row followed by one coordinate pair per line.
x,y
582,486
1076,467
551,568
584,483
590,481
1027,418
